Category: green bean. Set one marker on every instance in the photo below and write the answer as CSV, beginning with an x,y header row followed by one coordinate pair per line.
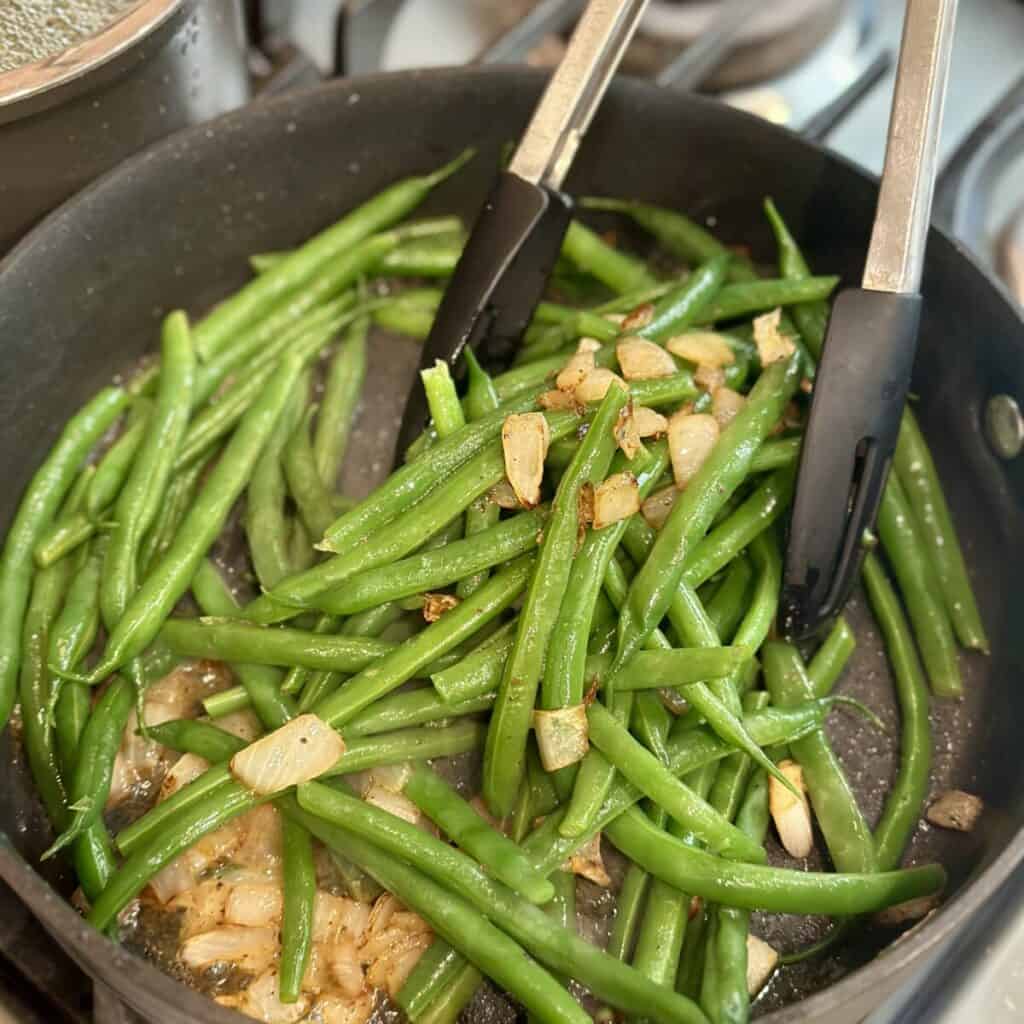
x,y
182,830
429,979
629,908
831,657
265,519
170,577
681,308
94,861
689,749
369,624
155,821
681,236
342,390
39,505
726,608
231,640
472,833
413,707
716,550
436,569
558,948
422,259
691,959
263,295
847,835
190,736
453,918
144,488
90,784
916,472
403,535
479,672
776,454
35,688
455,997
658,578
180,493
299,874
588,252
455,626
408,314
262,684
415,744
922,592
504,756
113,467
903,805
758,887
646,772
442,398
811,317
63,538
564,669
742,299
655,669
304,482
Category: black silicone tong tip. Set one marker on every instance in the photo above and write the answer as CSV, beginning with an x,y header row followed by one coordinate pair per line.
x,y
496,286
859,393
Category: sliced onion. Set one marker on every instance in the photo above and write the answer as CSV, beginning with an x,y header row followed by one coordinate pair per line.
x,y
589,345
176,878
955,809
615,318
558,401
709,378
187,768
346,969
562,736
253,949
390,971
579,365
344,1011
595,385
657,507
615,499
772,344
244,724
262,1000
525,438
640,359
390,776
904,913
435,605
262,846
725,405
627,437
588,863
253,905
639,317
792,816
702,348
691,438
648,422
503,496
202,908
297,752
394,803
317,976
337,916
762,960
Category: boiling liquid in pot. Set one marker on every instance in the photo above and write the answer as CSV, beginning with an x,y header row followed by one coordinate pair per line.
x,y
31,30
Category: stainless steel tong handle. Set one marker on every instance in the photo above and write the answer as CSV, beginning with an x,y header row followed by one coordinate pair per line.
x,y
896,253
560,121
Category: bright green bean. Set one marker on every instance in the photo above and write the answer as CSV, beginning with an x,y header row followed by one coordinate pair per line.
x,y
617,269
299,872
831,657
342,390
312,498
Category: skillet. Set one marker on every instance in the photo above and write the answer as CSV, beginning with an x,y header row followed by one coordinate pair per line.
x,y
82,297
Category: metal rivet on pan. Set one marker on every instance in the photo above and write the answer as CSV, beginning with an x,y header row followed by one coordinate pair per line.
x,y
1004,426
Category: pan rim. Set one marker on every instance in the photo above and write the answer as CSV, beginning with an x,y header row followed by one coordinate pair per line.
x,y
910,948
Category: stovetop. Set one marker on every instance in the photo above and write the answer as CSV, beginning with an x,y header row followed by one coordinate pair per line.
x,y
798,62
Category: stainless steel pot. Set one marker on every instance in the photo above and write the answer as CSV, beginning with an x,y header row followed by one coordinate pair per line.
x,y
163,65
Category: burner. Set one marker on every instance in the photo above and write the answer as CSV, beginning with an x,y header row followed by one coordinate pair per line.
x,y
782,35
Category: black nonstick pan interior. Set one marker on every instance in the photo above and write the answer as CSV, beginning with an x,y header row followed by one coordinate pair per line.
x,y
82,297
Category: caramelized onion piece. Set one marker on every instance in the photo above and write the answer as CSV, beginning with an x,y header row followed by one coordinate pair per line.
x,y
562,736
691,437
640,359
524,439
772,344
616,498
702,348
297,752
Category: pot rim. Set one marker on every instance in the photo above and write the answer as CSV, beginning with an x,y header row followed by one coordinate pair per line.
x,y
93,52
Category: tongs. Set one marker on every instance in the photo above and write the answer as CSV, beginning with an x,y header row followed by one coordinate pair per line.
x,y
862,380
512,249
